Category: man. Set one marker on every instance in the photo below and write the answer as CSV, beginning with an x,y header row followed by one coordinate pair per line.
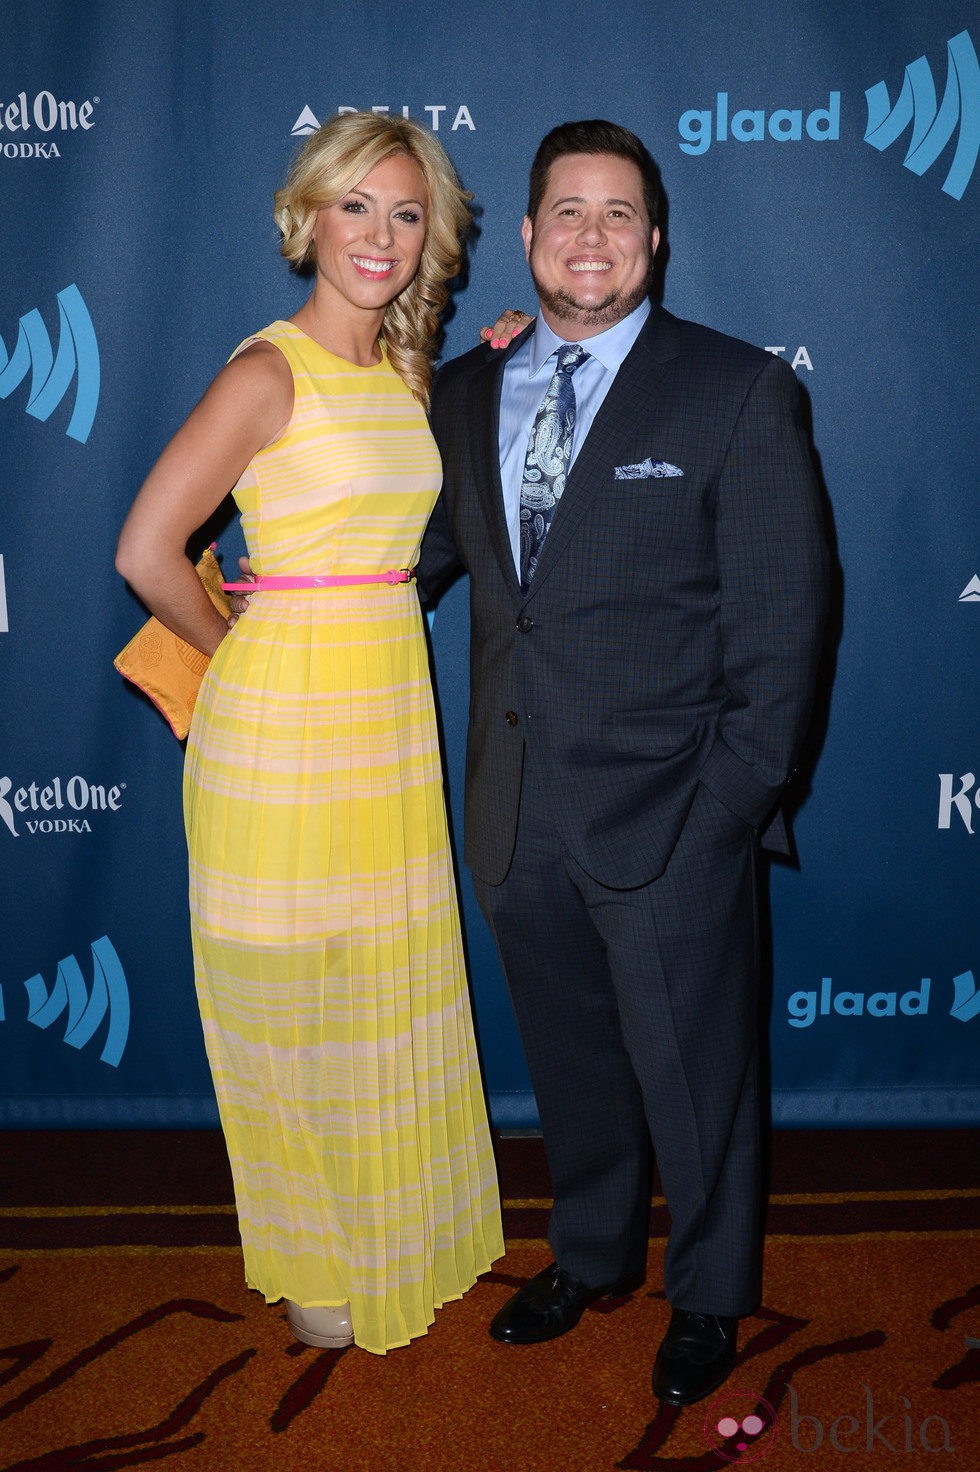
x,y
642,528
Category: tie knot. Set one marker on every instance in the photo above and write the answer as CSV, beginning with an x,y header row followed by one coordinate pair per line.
x,y
570,356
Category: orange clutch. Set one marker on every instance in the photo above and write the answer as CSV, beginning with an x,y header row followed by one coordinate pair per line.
x,y
167,668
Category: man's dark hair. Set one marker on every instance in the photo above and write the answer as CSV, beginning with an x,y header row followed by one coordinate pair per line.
x,y
594,136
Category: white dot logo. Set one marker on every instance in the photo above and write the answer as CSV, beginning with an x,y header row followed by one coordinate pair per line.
x,y
740,1426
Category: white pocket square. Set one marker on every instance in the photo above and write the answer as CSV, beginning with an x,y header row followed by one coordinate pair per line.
x,y
646,470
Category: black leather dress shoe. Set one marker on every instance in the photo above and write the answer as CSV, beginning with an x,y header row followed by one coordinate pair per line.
x,y
548,1305
696,1356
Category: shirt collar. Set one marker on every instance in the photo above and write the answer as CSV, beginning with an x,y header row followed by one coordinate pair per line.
x,y
608,348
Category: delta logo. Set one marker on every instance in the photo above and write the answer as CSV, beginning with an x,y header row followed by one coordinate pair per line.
x,y
934,124
437,115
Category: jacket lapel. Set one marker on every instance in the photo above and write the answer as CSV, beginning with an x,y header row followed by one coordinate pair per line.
x,y
638,382
484,416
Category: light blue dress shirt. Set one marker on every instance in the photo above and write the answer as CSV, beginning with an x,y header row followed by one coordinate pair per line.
x,y
526,378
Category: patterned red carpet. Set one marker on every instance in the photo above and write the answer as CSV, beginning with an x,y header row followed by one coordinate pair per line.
x,y
127,1337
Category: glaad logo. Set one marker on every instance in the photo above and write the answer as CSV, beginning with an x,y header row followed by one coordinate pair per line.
x,y
804,1007
971,593
51,376
960,800
932,126
109,997
76,794
700,127
43,113
307,122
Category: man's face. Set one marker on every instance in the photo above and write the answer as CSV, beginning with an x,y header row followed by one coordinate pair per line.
x,y
591,246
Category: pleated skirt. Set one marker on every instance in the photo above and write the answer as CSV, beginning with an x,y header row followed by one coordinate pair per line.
x,y
329,966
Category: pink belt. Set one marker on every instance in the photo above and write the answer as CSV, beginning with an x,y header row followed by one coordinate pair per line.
x,y
322,580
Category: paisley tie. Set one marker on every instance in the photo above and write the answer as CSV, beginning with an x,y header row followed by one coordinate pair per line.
x,y
546,461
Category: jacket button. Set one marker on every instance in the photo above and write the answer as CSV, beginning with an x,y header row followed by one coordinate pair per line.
x,y
525,624
510,716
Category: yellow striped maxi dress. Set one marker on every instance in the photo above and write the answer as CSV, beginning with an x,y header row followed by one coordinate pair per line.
x,y
326,937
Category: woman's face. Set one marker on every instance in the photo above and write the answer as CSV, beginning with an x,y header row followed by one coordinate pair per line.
x,y
369,244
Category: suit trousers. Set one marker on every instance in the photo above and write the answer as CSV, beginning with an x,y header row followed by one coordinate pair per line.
x,y
639,1014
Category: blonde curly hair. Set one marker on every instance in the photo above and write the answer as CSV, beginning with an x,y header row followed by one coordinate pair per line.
x,y
336,158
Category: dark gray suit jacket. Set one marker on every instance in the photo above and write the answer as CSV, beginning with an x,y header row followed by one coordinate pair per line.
x,y
673,628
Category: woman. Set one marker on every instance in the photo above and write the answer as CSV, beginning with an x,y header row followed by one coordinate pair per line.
x,y
326,939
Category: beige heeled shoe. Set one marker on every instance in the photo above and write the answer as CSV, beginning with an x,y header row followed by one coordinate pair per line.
x,y
323,1328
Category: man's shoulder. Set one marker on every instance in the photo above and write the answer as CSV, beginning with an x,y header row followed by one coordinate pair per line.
x,y
707,342
667,335
457,369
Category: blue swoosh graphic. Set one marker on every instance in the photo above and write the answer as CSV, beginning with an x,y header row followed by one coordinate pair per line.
x,y
51,375
966,998
86,1010
933,125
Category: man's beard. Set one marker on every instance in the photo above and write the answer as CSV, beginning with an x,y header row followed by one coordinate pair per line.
x,y
565,307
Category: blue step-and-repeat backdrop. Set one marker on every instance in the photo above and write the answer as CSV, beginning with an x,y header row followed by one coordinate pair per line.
x,y
820,163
